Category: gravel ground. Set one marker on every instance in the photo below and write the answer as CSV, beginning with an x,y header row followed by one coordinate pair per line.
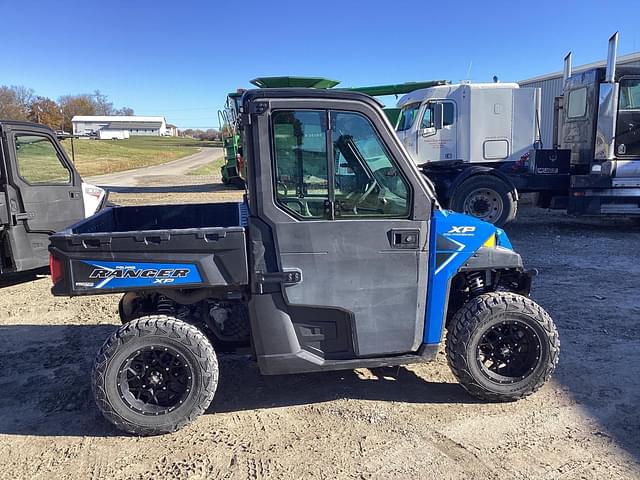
x,y
413,422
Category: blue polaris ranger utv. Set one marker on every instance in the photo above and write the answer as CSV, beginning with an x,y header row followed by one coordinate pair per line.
x,y
340,257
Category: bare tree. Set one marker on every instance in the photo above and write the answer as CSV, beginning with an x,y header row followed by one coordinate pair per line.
x,y
126,111
102,103
72,105
15,102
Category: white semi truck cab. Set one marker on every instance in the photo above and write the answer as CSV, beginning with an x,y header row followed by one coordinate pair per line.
x,y
484,123
470,139
479,144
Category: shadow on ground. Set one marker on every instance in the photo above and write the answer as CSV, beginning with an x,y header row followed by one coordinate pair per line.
x,y
9,280
45,382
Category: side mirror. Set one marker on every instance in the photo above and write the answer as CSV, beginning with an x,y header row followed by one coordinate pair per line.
x,y
438,116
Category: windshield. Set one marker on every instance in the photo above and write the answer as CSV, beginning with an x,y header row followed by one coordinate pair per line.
x,y
407,116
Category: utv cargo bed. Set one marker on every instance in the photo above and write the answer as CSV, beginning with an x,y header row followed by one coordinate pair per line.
x,y
179,246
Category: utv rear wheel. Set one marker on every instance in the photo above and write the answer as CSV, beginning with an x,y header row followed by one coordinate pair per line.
x,y
485,197
502,346
154,375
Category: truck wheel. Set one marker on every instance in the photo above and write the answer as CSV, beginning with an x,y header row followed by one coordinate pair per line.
x,y
487,198
502,346
154,375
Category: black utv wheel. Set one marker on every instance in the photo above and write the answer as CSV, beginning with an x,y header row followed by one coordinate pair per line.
x,y
502,346
485,197
154,375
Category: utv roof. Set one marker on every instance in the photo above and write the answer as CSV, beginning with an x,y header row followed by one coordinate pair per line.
x,y
336,94
21,123
326,83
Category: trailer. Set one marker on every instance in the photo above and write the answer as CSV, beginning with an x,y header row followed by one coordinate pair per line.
x,y
340,257
112,134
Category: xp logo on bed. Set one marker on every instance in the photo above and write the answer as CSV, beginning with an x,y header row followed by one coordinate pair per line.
x,y
113,275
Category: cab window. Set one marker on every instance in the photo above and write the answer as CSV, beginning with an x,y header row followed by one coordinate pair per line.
x,y
407,116
630,94
367,182
448,114
577,103
38,161
300,144
628,122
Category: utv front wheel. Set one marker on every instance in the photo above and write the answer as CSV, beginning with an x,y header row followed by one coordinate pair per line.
x,y
154,375
502,346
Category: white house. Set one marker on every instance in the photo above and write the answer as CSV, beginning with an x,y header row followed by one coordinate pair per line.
x,y
172,130
85,125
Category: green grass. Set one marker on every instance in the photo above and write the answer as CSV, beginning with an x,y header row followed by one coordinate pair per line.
x,y
212,168
96,157
38,161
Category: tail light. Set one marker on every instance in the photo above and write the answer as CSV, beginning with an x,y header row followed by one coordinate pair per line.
x,y
57,270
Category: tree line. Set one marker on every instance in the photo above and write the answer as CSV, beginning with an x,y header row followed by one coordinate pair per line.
x,y
21,103
210,134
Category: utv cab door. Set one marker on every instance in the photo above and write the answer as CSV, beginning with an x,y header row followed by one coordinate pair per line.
x,y
44,191
340,235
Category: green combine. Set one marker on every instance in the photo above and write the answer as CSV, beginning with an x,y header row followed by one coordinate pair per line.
x,y
232,170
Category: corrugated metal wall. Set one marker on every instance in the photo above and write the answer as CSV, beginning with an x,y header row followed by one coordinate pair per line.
x,y
550,89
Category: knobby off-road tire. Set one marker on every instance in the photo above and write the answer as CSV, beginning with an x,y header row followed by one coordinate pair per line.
x,y
141,358
485,197
502,346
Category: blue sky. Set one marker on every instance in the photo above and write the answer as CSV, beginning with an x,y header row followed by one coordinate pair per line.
x,y
179,59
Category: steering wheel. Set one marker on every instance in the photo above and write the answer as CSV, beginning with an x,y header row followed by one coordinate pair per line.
x,y
368,188
280,183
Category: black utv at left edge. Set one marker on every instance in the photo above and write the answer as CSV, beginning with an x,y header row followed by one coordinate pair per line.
x,y
41,192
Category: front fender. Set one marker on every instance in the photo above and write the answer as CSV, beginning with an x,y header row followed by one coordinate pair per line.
x,y
457,244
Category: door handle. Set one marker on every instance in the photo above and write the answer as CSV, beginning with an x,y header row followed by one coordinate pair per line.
x,y
405,238
74,194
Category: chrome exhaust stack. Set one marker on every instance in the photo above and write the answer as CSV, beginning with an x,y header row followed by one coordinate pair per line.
x,y
612,54
607,113
567,69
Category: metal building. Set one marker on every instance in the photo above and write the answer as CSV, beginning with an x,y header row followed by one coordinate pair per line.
x,y
85,125
551,87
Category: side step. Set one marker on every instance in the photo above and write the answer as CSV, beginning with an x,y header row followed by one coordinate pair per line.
x,y
306,362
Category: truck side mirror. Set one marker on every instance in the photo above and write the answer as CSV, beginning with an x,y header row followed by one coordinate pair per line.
x,y
438,116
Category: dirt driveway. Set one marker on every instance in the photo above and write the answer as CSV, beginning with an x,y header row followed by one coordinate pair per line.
x,y
413,422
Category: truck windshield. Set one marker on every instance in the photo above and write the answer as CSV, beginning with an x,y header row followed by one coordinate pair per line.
x,y
407,116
